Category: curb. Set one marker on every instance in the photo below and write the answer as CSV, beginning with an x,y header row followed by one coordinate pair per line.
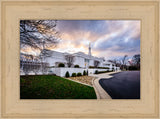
x,y
100,92
95,89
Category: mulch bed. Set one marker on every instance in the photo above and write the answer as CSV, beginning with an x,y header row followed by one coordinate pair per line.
x,y
83,79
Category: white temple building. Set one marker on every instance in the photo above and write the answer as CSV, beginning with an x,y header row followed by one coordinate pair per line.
x,y
52,59
80,58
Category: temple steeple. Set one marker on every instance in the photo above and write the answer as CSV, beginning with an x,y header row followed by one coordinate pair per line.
x,y
89,48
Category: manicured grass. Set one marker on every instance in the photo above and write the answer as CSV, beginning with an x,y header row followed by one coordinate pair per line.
x,y
53,87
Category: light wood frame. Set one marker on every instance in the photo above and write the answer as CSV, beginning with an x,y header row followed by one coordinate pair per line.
x,y
12,11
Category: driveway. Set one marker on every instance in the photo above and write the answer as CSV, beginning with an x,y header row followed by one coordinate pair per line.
x,y
123,85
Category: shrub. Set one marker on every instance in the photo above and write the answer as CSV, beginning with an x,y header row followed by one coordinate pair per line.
x,y
133,68
99,72
91,67
67,74
99,67
60,65
87,73
74,75
76,66
103,67
96,72
79,74
84,73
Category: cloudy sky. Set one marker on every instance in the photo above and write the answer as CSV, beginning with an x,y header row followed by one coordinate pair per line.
x,y
109,38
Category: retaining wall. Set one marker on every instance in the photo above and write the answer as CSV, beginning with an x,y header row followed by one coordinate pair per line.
x,y
62,71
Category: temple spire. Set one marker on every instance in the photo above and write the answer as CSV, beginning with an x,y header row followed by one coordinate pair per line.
x,y
89,48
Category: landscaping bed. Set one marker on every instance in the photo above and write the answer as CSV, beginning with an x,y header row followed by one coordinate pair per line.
x,y
53,87
83,79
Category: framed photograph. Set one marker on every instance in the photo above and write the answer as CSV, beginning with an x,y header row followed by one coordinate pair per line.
x,y
79,59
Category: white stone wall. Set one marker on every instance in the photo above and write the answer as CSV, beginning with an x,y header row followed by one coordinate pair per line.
x,y
92,71
62,71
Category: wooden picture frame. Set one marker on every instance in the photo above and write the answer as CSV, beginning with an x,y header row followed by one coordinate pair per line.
x,y
12,11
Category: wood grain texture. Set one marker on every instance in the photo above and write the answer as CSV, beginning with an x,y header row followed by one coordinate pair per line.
x,y
13,11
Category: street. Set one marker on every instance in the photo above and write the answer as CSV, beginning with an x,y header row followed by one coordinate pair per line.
x,y
123,85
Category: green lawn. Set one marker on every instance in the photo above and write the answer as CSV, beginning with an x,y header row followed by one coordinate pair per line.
x,y
53,87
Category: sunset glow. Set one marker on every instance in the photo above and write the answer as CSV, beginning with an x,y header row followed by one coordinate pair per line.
x,y
108,38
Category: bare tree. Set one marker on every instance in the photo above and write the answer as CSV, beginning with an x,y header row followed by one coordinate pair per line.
x,y
136,60
70,60
38,34
96,63
124,61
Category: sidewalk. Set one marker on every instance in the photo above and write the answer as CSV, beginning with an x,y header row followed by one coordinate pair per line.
x,y
100,92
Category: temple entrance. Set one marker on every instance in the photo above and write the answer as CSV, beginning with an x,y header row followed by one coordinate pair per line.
x,y
86,63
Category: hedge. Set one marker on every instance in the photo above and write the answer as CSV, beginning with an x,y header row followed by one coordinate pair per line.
x,y
60,65
79,74
99,67
96,72
99,72
84,73
67,74
74,75
76,66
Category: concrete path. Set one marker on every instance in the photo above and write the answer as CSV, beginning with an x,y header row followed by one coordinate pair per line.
x,y
100,92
